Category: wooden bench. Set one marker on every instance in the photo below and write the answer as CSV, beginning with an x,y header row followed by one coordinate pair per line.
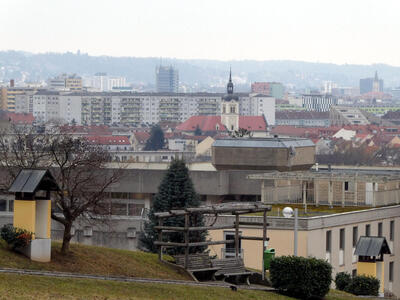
x,y
232,267
199,265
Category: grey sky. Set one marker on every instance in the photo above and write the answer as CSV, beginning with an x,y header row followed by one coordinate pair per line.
x,y
339,31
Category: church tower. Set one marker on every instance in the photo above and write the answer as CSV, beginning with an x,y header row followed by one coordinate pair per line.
x,y
230,107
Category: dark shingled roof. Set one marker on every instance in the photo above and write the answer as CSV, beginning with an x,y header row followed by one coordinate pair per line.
x,y
371,246
29,180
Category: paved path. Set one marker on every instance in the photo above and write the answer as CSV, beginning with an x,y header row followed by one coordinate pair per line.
x,y
132,279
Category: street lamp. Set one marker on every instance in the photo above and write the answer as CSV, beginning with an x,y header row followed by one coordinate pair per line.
x,y
288,213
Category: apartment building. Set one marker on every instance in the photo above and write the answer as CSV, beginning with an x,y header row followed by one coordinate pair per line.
x,y
318,102
332,237
135,109
53,106
65,82
347,115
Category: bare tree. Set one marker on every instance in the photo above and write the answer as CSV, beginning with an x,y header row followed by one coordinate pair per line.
x,y
79,167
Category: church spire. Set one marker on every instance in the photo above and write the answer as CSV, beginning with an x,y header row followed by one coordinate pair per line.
x,y
229,87
376,76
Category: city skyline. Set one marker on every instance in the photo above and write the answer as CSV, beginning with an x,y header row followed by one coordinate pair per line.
x,y
344,32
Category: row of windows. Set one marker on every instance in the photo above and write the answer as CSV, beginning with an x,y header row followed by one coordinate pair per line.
x,y
355,235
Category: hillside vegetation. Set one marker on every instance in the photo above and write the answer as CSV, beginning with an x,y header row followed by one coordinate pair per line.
x,y
94,260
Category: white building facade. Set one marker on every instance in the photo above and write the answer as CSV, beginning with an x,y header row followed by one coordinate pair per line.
x,y
136,109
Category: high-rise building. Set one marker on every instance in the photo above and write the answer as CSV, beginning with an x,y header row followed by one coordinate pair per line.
x,y
368,85
167,79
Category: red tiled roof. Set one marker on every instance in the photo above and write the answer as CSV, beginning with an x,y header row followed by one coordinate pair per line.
x,y
253,123
209,123
205,123
108,140
141,136
21,118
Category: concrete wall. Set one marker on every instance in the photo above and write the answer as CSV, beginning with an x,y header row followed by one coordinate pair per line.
x,y
262,158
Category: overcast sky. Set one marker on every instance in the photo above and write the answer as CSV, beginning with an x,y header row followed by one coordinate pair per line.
x,y
338,31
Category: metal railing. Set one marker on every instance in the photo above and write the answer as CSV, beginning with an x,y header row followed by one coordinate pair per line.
x,y
294,195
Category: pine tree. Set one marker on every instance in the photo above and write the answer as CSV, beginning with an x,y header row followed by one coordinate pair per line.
x,y
198,131
176,191
156,140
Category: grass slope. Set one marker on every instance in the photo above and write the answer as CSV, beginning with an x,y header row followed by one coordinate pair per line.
x,y
37,287
94,260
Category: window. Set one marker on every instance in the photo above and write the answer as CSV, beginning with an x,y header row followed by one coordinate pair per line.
x,y
391,233
230,248
118,209
391,267
328,241
342,239
3,205
135,209
355,236
368,230
380,229
346,185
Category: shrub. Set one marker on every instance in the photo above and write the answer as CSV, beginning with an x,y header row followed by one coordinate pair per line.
x,y
342,280
363,285
15,237
301,277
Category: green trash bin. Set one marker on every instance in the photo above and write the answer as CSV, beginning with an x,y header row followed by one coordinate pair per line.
x,y
269,254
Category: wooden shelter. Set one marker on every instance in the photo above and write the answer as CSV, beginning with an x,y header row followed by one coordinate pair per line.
x,y
236,209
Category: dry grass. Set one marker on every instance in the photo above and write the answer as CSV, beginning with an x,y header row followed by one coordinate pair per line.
x,y
37,287
95,260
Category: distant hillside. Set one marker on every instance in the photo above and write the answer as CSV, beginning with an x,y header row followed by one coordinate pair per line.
x,y
201,74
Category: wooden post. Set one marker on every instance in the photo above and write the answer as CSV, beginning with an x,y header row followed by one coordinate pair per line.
x,y
373,194
304,195
263,200
237,236
160,223
186,240
316,193
355,192
343,192
263,242
275,194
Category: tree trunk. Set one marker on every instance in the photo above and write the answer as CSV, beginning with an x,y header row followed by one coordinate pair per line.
x,y
66,237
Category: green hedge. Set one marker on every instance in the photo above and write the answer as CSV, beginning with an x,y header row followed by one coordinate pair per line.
x,y
342,280
301,277
15,237
363,286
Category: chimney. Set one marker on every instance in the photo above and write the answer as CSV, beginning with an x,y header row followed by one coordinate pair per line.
x,y
12,83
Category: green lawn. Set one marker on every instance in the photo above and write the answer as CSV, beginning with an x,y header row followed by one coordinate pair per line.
x,y
37,287
106,261
95,260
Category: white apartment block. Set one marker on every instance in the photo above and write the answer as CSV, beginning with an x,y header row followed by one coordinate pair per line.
x,y
104,83
318,102
51,106
136,109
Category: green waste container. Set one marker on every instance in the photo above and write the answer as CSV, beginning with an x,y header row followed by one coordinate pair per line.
x,y
269,254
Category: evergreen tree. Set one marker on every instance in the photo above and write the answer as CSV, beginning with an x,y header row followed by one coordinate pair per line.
x,y
197,131
156,140
176,191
